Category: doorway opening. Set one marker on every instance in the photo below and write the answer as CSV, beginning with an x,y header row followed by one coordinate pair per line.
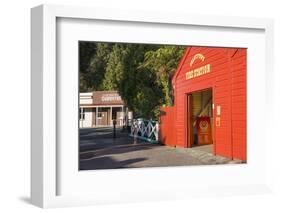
x,y
200,118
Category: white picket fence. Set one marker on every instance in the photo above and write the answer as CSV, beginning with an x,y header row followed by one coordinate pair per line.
x,y
145,129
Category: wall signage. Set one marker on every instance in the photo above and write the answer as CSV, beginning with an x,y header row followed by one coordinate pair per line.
x,y
218,110
110,97
218,121
107,98
195,57
198,71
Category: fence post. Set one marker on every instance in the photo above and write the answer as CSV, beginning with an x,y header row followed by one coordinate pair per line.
x,y
114,128
157,131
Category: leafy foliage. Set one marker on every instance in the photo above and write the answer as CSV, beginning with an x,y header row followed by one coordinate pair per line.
x,y
86,52
98,65
115,68
140,73
164,62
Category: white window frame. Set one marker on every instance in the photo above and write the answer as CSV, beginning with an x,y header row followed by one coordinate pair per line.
x,y
81,114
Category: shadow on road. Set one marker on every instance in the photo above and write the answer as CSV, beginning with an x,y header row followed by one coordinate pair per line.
x,y
98,148
107,163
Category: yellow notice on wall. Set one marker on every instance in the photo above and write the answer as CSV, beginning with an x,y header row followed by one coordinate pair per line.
x,y
218,121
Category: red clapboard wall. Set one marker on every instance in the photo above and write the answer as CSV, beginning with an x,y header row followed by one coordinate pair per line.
x,y
227,79
167,135
239,101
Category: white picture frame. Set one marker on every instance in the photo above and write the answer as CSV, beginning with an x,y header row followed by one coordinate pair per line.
x,y
45,178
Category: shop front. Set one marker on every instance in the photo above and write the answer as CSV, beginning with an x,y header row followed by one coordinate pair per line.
x,y
100,108
209,102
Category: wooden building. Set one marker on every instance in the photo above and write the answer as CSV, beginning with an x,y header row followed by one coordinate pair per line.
x,y
99,108
209,102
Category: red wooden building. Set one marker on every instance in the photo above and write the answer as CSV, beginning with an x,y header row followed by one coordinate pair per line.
x,y
209,102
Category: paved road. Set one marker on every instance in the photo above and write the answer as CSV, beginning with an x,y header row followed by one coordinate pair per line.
x,y
98,150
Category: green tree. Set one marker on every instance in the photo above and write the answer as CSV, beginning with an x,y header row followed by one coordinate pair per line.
x,y
115,68
140,73
93,59
86,51
134,83
164,62
98,66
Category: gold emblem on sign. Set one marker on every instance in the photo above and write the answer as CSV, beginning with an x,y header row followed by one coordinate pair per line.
x,y
203,125
195,57
200,70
